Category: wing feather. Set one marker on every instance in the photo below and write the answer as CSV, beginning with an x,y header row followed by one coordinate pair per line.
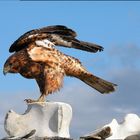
x,y
58,29
58,35
39,34
71,42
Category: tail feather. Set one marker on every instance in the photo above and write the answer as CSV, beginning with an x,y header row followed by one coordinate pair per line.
x,y
97,83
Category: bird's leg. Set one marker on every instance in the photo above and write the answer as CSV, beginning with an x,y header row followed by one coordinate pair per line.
x,y
40,99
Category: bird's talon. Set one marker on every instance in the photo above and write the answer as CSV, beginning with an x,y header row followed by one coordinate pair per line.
x,y
29,101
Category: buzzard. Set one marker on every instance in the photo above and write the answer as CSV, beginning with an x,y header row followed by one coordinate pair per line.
x,y
36,57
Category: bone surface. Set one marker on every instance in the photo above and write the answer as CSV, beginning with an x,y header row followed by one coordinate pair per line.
x,y
48,119
128,129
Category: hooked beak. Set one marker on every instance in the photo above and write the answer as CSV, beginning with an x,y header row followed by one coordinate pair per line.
x,y
6,70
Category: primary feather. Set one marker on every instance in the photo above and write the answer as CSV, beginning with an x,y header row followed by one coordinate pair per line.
x,y
58,34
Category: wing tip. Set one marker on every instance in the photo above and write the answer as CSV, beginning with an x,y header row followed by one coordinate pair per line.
x,y
100,48
91,47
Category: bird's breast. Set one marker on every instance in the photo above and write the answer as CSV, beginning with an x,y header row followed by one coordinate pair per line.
x,y
31,70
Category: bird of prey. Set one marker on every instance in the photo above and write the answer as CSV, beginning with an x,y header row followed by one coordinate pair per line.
x,y
36,57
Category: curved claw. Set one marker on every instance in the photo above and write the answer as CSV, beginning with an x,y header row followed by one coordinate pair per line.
x,y
29,101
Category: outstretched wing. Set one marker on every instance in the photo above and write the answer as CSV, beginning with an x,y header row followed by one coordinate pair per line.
x,y
58,35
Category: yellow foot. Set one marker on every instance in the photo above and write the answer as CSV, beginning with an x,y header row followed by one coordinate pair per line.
x,y
41,99
30,101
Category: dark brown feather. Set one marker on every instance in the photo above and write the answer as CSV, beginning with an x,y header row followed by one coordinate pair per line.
x,y
59,35
59,30
39,34
71,42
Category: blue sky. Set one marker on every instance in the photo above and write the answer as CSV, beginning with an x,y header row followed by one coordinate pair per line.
x,y
114,25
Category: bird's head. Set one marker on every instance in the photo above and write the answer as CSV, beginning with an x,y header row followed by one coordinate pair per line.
x,y
11,65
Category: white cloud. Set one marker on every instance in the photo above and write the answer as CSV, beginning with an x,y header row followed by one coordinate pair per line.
x,y
124,110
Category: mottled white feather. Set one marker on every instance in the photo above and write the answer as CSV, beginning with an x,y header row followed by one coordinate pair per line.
x,y
44,43
30,36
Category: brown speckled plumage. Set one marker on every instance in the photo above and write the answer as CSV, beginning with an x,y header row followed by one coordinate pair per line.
x,y
48,66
